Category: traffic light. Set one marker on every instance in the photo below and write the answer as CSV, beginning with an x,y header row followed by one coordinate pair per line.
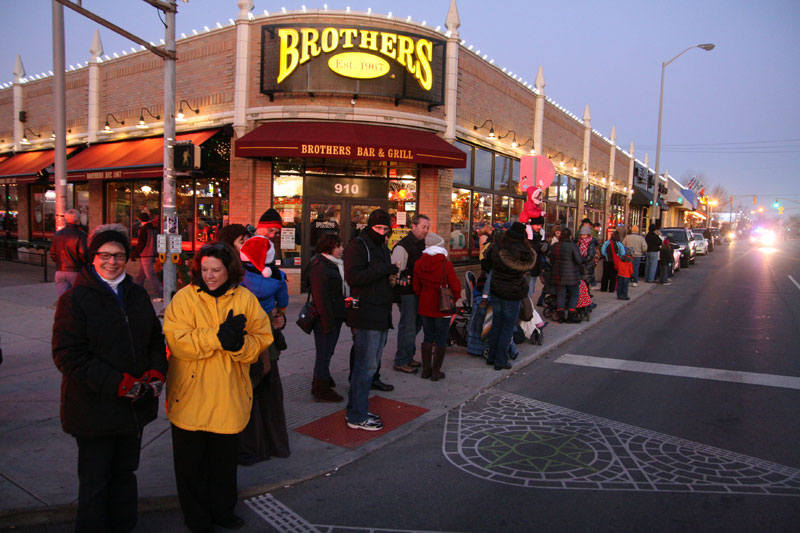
x,y
755,201
777,203
780,210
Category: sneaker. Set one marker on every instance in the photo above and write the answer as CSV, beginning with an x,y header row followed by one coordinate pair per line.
x,y
414,363
668,283
407,368
374,416
634,284
370,424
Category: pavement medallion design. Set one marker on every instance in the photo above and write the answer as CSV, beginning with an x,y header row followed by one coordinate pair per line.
x,y
506,438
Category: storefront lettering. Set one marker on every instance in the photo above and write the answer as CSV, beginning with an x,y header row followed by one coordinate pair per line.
x,y
324,149
111,174
299,47
338,149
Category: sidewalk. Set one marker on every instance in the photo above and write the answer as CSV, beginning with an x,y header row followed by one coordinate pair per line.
x,y
38,462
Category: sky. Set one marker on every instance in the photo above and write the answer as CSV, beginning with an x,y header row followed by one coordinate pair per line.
x,y
729,116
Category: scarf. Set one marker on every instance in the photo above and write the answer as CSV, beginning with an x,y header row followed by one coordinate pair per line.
x,y
435,250
583,244
219,291
340,265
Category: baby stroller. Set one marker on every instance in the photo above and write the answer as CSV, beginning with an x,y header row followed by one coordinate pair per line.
x,y
459,322
549,291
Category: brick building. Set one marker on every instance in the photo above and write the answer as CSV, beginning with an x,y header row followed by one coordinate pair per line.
x,y
324,115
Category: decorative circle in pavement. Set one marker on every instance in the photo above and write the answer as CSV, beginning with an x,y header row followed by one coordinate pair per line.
x,y
514,440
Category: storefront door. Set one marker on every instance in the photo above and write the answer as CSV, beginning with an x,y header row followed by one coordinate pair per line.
x,y
344,217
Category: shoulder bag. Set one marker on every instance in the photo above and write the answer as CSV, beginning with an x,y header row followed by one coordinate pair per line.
x,y
447,301
308,316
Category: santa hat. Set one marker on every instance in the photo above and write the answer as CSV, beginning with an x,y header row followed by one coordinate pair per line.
x,y
270,219
260,252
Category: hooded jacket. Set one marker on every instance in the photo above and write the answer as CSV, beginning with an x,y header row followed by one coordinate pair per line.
x,y
208,387
431,271
508,260
271,292
567,261
367,267
97,337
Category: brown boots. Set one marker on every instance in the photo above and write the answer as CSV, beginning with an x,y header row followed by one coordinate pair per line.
x,y
432,362
323,391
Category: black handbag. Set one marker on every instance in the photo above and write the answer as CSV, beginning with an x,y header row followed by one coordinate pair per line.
x,y
308,316
447,301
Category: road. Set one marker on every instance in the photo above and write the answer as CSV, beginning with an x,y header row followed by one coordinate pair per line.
x,y
677,414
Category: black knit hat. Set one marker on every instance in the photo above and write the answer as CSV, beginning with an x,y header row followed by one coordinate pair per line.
x,y
517,231
108,233
379,217
536,220
270,219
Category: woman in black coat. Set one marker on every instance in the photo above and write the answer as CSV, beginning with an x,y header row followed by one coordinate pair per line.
x,y
567,261
325,280
107,343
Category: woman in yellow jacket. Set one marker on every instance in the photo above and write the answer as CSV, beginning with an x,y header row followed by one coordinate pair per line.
x,y
214,328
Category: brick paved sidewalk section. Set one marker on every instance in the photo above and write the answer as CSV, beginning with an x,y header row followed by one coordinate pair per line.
x,y
38,462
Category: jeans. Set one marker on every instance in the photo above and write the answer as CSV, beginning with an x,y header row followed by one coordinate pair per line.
x,y
505,314
622,287
650,267
64,281
325,344
107,491
637,261
436,330
532,287
665,272
609,281
407,329
367,350
146,270
564,291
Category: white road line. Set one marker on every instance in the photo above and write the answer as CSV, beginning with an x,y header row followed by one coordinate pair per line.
x,y
714,374
795,282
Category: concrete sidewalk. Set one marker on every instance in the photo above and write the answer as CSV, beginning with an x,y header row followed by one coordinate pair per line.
x,y
38,462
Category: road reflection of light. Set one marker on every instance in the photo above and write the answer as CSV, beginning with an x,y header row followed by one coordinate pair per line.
x,y
767,250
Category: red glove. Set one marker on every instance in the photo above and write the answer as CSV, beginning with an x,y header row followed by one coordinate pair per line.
x,y
131,387
155,380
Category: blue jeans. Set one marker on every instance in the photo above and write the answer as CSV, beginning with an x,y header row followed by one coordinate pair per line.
x,y
622,287
367,350
665,272
567,296
650,267
505,314
532,287
436,330
64,281
325,343
636,262
146,270
407,329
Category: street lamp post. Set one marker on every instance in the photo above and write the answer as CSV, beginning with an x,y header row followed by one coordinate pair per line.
x,y
706,47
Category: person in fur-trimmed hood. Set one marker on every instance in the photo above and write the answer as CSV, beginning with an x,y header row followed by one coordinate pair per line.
x,y
507,261
432,271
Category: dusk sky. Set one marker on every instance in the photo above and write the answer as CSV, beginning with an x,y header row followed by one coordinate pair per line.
x,y
728,113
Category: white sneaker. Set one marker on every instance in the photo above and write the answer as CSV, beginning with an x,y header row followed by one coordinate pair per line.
x,y
370,424
634,284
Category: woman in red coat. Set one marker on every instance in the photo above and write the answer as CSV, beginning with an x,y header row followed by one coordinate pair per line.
x,y
432,271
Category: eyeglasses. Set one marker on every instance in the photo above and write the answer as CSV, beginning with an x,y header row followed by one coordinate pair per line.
x,y
107,257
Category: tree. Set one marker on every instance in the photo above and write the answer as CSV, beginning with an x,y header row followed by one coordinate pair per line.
x,y
719,193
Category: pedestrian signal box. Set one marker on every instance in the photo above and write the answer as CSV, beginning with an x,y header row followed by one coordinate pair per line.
x,y
187,156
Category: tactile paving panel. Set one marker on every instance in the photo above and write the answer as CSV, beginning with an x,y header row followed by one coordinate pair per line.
x,y
333,428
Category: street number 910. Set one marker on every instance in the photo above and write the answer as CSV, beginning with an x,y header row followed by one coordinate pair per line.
x,y
345,188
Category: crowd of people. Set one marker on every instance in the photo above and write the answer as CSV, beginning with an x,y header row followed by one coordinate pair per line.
x,y
217,353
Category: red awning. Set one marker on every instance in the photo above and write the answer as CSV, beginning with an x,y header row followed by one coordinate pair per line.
x,y
133,159
342,140
25,165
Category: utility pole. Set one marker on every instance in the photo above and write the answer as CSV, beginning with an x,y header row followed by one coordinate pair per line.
x,y
60,122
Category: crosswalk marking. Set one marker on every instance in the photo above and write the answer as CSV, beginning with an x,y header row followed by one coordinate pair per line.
x,y
714,374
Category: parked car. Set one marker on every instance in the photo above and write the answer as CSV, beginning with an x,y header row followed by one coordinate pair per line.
x,y
685,241
676,261
700,242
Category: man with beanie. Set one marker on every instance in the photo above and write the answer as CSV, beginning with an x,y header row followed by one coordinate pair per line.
x,y
634,242
146,252
404,255
653,241
367,269
68,251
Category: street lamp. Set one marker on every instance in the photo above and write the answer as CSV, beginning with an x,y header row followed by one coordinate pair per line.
x,y
707,47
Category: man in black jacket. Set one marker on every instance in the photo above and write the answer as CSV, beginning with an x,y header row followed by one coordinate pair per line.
x,y
68,251
367,269
404,255
653,241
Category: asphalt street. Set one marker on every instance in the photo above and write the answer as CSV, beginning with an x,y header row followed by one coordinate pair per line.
x,y
678,413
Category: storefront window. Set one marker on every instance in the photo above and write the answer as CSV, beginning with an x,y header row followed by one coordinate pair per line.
x,y
403,201
287,190
459,224
483,168
118,203
563,188
81,202
502,172
212,208
9,211
515,185
464,175
481,216
43,212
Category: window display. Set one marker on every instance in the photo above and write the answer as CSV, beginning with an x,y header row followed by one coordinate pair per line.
x,y
9,211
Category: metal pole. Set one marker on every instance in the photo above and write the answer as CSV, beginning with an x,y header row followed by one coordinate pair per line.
x,y
60,122
656,183
168,193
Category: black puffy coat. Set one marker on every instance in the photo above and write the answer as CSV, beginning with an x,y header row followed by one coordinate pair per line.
x,y
567,261
367,268
325,284
508,261
95,340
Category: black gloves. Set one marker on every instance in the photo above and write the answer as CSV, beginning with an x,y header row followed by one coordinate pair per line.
x,y
231,332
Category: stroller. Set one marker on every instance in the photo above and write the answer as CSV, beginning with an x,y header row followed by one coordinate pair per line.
x,y
459,322
549,292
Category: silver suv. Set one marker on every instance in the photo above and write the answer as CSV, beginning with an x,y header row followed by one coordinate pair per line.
x,y
685,241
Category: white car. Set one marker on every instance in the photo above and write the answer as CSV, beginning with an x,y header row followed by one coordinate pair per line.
x,y
700,243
